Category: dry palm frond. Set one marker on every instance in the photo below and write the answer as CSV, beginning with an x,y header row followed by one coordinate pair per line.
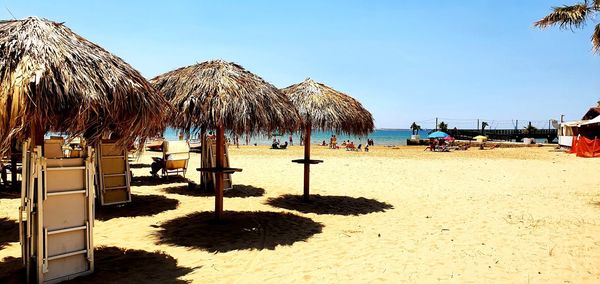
x,y
596,39
54,78
566,17
215,93
326,109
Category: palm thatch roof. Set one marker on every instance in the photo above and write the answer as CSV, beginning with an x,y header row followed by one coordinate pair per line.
x,y
326,109
52,77
216,93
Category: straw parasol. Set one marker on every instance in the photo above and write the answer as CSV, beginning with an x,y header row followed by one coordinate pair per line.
x,y
326,109
222,95
52,79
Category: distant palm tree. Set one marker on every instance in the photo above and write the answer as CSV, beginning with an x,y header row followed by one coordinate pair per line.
x,y
483,126
443,127
529,129
415,128
574,16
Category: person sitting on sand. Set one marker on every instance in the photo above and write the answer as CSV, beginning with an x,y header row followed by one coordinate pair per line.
x,y
323,143
367,148
350,146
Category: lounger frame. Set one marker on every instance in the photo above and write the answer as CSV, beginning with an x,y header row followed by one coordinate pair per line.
x,y
113,178
56,216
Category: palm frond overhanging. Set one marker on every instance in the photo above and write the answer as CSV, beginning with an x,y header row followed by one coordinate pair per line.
x,y
574,17
329,110
52,77
216,93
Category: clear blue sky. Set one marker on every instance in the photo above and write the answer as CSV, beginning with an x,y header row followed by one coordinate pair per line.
x,y
404,60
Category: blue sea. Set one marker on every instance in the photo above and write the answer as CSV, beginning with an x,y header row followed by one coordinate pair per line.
x,y
387,137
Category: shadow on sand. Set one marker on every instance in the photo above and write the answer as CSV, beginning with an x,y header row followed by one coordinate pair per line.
x,y
237,230
12,270
9,232
238,191
150,180
7,194
140,205
113,265
335,205
139,166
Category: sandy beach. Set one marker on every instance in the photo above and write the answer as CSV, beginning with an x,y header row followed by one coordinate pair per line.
x,y
509,215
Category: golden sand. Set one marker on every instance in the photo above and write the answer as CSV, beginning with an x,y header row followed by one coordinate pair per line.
x,y
391,215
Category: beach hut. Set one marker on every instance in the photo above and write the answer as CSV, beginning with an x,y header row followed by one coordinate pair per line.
x,y
53,80
222,95
326,109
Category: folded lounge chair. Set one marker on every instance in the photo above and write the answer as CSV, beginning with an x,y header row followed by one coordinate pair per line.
x,y
112,173
53,147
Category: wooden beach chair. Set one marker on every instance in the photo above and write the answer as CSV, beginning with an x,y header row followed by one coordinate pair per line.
x,y
176,155
113,181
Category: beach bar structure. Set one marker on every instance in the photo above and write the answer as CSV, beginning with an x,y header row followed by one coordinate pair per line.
x,y
221,95
326,109
588,126
53,80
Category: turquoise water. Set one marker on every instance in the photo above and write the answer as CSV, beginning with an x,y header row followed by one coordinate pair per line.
x,y
387,137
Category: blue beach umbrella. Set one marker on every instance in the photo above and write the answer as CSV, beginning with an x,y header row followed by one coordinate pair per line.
x,y
438,134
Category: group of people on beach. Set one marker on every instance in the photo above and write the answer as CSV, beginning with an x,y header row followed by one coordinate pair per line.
x,y
278,145
346,144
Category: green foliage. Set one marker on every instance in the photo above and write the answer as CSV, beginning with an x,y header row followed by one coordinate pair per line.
x,y
443,127
415,128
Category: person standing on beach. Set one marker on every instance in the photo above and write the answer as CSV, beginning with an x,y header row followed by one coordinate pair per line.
x,y
291,141
334,142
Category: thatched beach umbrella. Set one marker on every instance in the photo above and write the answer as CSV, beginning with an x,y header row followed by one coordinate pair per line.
x,y
221,95
326,109
52,79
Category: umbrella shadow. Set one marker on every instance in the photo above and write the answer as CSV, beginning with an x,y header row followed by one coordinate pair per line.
x,y
140,205
238,191
139,166
151,181
7,194
9,232
118,265
113,265
237,230
334,205
12,270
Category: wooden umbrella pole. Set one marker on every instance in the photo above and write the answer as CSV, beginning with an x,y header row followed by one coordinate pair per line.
x,y
306,162
37,135
203,152
219,174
